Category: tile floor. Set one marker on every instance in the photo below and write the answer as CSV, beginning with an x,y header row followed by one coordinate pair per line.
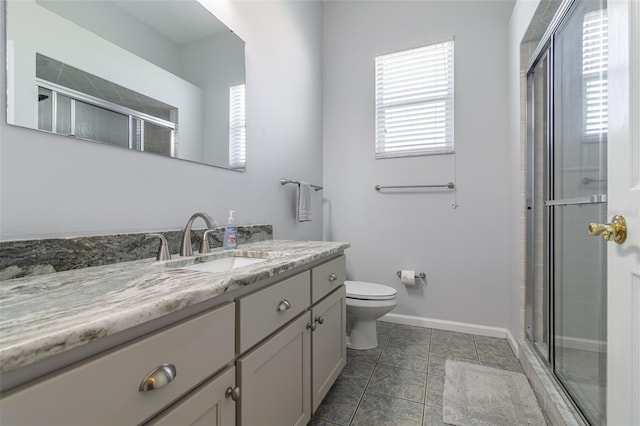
x,y
400,383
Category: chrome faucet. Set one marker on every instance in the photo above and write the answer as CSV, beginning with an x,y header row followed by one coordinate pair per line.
x,y
185,247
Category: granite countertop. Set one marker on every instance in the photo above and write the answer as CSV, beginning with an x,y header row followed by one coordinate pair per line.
x,y
48,314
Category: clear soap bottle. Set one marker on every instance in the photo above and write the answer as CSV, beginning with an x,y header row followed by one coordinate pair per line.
x,y
230,240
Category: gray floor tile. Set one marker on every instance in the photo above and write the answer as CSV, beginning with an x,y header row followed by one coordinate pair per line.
x,y
436,363
341,402
402,328
408,339
443,336
433,416
411,332
462,349
410,357
384,410
389,385
398,382
317,422
435,388
491,346
367,355
357,370
383,329
509,364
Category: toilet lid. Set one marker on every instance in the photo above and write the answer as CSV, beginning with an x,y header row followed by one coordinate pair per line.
x,y
369,291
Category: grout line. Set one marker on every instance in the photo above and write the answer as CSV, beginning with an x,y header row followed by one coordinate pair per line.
x,y
383,345
370,376
475,345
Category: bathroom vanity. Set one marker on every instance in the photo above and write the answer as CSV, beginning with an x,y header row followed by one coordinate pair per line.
x,y
163,343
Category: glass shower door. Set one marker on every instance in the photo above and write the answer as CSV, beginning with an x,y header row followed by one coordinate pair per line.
x,y
578,197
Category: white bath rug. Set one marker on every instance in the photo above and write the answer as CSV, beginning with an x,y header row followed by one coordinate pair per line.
x,y
475,395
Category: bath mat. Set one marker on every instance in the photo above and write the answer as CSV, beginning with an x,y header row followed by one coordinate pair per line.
x,y
475,395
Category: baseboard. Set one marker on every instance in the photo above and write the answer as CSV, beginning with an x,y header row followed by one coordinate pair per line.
x,y
515,347
460,327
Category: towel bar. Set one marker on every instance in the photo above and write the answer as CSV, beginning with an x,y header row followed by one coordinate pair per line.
x,y
284,181
449,185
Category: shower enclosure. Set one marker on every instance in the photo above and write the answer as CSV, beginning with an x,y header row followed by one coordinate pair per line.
x,y
565,312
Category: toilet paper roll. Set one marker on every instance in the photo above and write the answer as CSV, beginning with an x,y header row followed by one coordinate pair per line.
x,y
408,277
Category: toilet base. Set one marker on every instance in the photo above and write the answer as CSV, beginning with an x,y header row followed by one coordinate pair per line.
x,y
362,334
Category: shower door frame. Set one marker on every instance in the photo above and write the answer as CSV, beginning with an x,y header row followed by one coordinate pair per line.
x,y
544,48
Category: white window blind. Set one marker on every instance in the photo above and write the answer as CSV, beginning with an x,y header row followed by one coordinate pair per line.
x,y
414,101
594,73
237,131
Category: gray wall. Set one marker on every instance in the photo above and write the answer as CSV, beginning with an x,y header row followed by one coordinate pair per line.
x,y
54,186
465,252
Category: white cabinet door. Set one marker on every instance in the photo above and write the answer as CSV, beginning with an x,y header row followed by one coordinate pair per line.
x,y
211,405
328,343
275,378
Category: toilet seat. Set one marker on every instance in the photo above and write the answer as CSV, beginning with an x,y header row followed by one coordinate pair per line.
x,y
369,291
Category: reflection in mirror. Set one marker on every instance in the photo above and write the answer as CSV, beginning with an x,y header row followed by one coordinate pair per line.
x,y
160,76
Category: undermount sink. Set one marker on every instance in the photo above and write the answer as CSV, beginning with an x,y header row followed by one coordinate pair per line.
x,y
224,264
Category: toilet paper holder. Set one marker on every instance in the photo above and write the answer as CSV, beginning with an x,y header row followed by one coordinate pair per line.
x,y
420,275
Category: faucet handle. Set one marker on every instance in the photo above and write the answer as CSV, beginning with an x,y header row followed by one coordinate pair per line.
x,y
163,250
204,246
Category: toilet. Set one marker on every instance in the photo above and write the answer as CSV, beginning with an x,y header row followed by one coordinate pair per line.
x,y
366,302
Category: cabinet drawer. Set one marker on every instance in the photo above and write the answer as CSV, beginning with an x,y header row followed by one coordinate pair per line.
x,y
263,312
105,390
327,277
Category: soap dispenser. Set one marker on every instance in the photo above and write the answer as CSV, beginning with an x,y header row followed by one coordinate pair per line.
x,y
230,241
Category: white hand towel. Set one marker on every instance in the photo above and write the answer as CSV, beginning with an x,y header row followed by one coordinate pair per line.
x,y
303,212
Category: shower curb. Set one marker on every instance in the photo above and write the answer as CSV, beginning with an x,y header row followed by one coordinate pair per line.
x,y
556,406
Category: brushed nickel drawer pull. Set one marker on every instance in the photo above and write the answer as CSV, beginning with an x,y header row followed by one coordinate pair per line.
x,y
160,376
283,305
312,326
320,319
234,393
333,277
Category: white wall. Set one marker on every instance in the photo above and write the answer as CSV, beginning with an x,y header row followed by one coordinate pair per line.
x,y
54,186
465,252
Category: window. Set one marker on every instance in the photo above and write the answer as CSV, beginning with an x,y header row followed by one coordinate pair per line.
x,y
237,132
414,101
594,74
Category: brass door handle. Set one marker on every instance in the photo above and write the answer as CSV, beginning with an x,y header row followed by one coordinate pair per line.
x,y
614,231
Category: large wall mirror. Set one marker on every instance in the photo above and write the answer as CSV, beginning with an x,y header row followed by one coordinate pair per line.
x,y
160,76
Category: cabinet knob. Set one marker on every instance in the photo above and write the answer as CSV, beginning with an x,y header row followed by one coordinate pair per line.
x,y
233,393
312,326
320,319
283,305
333,277
159,377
